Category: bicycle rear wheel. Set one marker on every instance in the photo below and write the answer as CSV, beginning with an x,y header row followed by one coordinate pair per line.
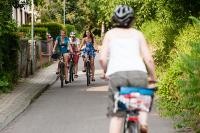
x,y
88,72
131,127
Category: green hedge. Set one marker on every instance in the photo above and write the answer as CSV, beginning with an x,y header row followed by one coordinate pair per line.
x,y
179,93
69,28
54,28
41,32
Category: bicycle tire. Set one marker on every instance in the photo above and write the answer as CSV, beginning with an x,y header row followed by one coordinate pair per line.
x,y
88,72
62,81
134,127
71,73
131,127
62,71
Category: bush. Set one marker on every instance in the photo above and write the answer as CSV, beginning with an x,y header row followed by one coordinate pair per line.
x,y
180,86
160,37
41,32
188,34
53,28
189,87
6,81
69,28
9,45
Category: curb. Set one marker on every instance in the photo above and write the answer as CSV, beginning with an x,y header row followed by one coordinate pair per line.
x,y
41,91
20,104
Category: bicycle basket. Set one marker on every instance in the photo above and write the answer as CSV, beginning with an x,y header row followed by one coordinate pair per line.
x,y
55,56
131,98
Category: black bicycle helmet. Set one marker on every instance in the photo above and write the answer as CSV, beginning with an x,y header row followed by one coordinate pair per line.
x,y
123,15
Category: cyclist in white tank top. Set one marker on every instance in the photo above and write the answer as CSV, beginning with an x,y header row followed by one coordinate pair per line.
x,y
126,58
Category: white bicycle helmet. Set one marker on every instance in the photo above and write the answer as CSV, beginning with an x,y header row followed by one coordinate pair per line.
x,y
72,34
123,15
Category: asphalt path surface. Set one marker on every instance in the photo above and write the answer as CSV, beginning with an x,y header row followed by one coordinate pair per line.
x,y
75,108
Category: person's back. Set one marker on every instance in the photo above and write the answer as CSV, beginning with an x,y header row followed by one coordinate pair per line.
x,y
125,57
124,51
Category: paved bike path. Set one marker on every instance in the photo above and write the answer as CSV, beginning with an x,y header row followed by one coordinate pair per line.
x,y
75,108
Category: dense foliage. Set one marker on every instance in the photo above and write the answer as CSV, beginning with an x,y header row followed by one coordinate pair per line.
x,y
179,86
8,46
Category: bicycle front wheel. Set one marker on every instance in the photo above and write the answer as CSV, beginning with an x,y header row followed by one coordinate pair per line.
x,y
88,72
62,71
71,72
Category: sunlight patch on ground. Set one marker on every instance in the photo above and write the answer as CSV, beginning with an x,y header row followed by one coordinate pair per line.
x,y
100,88
96,72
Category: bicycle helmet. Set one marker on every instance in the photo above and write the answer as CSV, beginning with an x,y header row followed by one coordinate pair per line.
x,y
123,15
72,34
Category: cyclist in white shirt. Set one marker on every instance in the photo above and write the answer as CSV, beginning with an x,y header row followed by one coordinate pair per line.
x,y
75,42
126,58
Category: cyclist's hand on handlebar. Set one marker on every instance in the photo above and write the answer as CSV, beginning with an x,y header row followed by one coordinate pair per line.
x,y
53,51
96,50
152,83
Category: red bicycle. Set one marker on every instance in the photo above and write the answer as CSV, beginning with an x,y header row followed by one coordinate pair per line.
x,y
132,100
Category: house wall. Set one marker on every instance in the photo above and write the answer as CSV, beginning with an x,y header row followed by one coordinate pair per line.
x,y
21,15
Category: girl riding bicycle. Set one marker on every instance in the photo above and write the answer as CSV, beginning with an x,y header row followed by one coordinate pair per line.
x,y
88,42
63,44
129,61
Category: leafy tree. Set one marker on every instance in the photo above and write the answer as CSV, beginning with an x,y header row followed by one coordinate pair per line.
x,y
51,12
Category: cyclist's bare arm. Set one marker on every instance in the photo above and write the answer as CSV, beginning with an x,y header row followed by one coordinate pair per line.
x,y
70,48
104,52
82,43
148,59
56,43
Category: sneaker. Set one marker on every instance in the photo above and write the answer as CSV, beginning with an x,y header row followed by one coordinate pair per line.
x,y
66,82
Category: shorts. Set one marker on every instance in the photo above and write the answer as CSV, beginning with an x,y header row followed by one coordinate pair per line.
x,y
123,78
76,58
64,54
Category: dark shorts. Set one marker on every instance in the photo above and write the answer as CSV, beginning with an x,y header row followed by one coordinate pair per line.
x,y
124,78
